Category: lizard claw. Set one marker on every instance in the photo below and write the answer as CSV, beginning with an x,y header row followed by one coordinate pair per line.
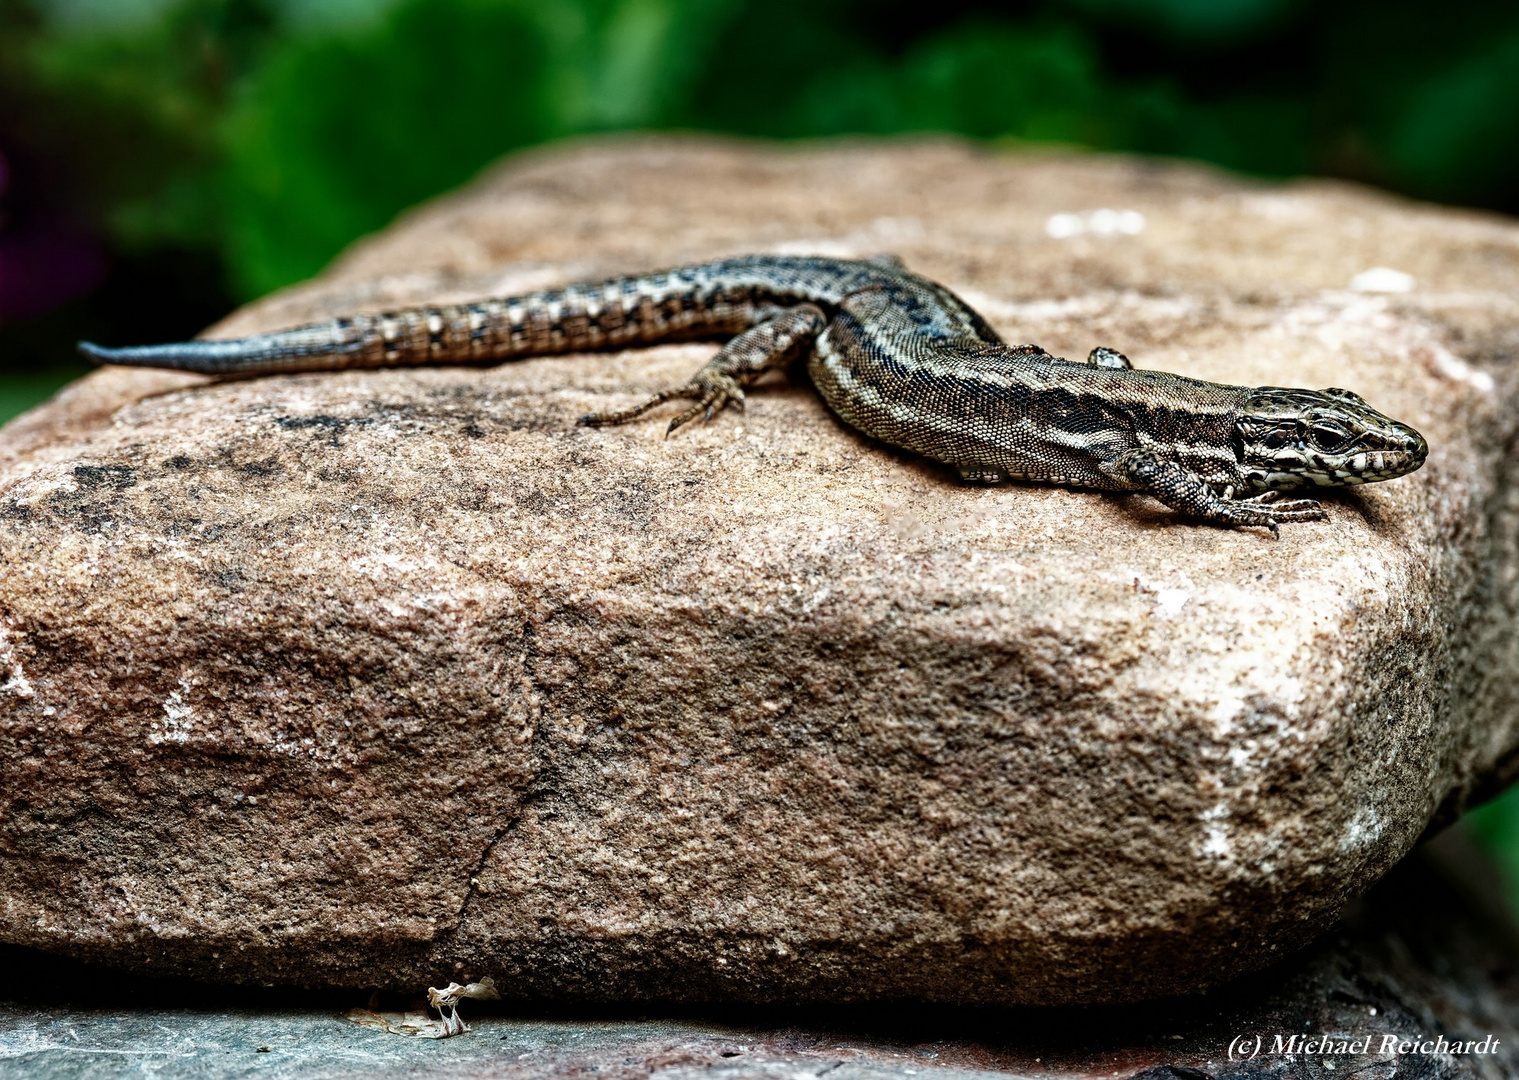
x,y
712,400
685,417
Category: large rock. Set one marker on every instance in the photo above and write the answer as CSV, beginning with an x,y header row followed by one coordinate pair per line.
x,y
1421,982
383,678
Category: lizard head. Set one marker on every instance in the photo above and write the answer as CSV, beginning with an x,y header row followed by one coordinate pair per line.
x,y
1332,438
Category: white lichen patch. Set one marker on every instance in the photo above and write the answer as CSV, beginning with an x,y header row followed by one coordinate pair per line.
x,y
1383,279
16,683
1169,602
1216,843
1279,207
1225,711
1239,756
179,718
1100,222
1449,366
1347,322
1364,829
832,247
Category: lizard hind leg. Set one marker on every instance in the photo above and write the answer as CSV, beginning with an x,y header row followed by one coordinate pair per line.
x,y
720,382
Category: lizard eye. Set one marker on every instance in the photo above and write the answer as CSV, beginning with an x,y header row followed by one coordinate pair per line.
x,y
1328,436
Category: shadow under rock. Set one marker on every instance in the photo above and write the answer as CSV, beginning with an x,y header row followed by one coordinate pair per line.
x,y
1429,954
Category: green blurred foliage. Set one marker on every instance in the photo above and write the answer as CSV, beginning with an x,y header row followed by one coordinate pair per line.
x,y
274,132
332,135
132,114
1495,827
1195,20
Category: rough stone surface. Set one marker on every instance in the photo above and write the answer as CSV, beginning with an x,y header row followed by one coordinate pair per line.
x,y
383,678
1422,959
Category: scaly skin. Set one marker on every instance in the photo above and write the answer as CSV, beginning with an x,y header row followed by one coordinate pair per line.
x,y
902,359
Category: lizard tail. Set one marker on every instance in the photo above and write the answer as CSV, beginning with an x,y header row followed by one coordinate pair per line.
x,y
577,318
298,350
363,341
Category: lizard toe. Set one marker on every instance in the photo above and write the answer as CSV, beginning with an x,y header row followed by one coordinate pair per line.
x,y
1307,513
622,416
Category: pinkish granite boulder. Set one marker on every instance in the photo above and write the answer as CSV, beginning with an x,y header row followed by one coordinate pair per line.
x,y
376,678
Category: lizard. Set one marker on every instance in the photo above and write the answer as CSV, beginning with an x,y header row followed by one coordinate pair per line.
x,y
898,357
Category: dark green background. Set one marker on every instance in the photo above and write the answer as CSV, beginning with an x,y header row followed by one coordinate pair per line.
x,y
212,150
167,159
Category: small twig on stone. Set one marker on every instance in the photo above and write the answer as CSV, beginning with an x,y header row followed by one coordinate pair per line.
x,y
446,1001
420,1025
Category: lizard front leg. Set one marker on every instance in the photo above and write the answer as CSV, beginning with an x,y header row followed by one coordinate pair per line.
x,y
1182,489
720,382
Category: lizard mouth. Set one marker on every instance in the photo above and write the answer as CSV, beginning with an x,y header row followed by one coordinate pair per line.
x,y
1369,467
1373,457
1392,453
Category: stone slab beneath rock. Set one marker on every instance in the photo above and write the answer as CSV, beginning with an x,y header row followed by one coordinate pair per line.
x,y
384,678
1421,960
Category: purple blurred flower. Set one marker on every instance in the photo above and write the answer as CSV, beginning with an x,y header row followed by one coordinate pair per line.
x,y
43,265
43,268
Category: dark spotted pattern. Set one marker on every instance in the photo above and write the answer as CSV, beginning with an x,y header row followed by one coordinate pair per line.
x,y
902,359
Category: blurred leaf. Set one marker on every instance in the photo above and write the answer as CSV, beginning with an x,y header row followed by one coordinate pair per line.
x,y
1458,134
980,78
1496,827
625,63
1194,20
132,114
334,135
307,16
100,15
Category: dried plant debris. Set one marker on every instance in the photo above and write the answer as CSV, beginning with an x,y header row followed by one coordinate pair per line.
x,y
420,1024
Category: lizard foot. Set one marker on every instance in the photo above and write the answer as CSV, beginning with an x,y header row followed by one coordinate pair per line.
x,y
1272,504
1182,489
767,346
1297,510
712,392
